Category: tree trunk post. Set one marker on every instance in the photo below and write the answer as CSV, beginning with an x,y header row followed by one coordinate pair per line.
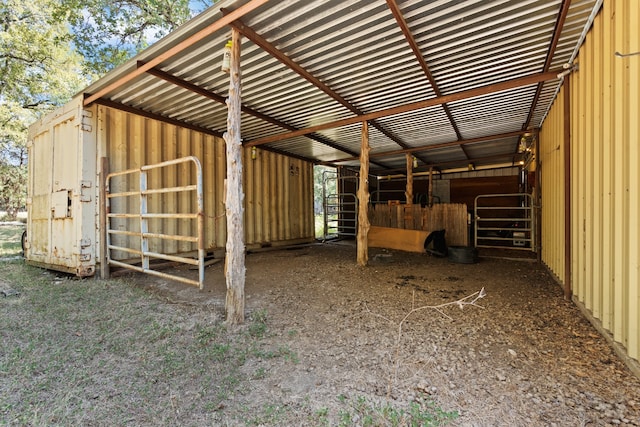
x,y
430,186
363,198
408,194
234,267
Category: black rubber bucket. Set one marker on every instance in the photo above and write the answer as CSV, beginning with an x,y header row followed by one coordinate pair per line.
x,y
463,254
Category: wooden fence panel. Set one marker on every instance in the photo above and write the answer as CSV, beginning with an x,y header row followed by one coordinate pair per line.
x,y
451,217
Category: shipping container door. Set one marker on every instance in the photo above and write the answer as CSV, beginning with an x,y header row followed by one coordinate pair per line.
x,y
60,193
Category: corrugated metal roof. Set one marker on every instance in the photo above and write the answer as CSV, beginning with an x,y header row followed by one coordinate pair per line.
x,y
359,61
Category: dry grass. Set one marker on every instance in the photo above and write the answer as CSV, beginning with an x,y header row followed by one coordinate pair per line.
x,y
10,239
89,352
94,353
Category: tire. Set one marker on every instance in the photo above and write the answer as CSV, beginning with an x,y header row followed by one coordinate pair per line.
x,y
463,254
24,242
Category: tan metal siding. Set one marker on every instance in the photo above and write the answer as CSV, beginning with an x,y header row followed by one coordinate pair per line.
x,y
61,191
553,191
605,201
278,189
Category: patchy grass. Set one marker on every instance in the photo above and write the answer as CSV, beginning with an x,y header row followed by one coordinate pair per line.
x,y
108,352
11,239
90,352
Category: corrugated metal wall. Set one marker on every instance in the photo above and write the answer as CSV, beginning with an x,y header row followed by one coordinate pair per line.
x,y
61,202
605,175
278,189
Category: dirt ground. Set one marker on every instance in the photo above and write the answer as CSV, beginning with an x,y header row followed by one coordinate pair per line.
x,y
523,356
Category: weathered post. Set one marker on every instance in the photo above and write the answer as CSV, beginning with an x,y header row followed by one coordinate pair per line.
x,y
363,198
408,194
234,267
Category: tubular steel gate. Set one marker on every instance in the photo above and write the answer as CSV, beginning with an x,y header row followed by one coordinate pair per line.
x,y
505,221
144,216
340,207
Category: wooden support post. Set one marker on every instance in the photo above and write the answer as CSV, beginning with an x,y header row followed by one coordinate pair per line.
x,y
567,188
104,171
408,194
234,268
363,198
431,186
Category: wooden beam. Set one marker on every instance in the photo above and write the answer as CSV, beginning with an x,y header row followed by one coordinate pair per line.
x,y
220,23
363,198
466,94
234,267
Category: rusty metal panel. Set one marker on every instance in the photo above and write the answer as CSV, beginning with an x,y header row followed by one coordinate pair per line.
x,y
605,175
61,191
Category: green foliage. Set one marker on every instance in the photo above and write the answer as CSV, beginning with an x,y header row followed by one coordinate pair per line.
x,y
107,33
38,71
361,412
51,49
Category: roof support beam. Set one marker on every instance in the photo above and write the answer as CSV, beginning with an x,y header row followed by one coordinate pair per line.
x,y
139,112
466,94
249,33
436,146
247,110
513,158
402,23
220,23
557,31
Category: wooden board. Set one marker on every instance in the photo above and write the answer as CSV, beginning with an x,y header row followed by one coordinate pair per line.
x,y
397,238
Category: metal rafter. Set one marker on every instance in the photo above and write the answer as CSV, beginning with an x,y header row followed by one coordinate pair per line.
x,y
465,94
435,146
513,158
247,110
256,38
217,25
408,34
143,113
557,31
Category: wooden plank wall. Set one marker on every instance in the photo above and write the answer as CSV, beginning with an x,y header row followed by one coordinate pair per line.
x,y
451,217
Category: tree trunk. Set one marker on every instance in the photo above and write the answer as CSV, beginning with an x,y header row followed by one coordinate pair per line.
x,y
234,267
363,198
408,194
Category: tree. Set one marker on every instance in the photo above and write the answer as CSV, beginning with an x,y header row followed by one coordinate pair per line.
x,y
50,49
108,32
38,71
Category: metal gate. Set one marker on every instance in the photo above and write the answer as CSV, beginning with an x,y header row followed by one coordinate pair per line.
x,y
140,220
504,221
340,207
